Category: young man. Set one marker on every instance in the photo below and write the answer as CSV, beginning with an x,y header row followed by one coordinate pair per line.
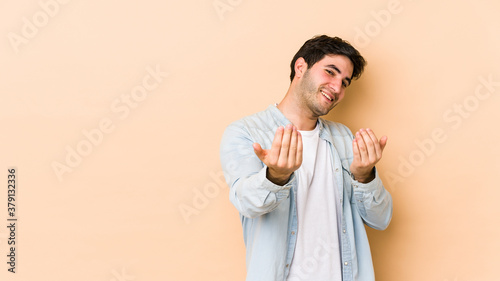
x,y
305,186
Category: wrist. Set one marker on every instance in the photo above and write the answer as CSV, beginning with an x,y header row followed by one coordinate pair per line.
x,y
364,178
276,178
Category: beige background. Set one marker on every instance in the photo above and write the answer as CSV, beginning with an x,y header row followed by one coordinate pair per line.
x,y
146,201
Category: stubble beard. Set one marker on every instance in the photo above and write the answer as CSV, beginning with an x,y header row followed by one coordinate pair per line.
x,y
309,94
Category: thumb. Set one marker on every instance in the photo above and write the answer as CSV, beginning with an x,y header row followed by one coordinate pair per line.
x,y
383,142
258,151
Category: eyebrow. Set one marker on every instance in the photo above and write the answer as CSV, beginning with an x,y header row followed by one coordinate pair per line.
x,y
338,70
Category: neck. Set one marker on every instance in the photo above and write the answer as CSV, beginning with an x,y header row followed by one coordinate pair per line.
x,y
297,113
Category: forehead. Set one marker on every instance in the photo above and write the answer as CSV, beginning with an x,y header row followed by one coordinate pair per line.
x,y
343,63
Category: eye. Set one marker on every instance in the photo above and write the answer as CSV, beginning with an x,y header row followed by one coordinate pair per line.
x,y
329,71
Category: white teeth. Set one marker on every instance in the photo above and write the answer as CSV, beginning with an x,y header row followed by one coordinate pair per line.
x,y
327,96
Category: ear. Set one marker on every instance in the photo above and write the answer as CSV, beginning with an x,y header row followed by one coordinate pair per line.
x,y
300,67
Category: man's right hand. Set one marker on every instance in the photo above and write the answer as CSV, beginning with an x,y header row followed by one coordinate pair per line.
x,y
285,155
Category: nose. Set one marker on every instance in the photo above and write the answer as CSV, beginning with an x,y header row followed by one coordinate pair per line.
x,y
336,85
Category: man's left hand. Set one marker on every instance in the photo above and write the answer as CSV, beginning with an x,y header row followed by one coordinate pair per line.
x,y
367,151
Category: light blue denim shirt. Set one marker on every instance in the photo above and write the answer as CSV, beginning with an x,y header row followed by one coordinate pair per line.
x,y
268,211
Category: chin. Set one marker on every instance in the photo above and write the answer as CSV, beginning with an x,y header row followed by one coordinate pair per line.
x,y
319,113
330,110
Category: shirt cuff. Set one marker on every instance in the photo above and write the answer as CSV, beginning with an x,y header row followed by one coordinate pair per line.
x,y
369,186
269,185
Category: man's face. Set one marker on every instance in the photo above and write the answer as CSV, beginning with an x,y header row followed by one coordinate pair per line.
x,y
323,85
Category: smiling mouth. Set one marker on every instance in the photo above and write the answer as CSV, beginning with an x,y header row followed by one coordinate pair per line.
x,y
326,96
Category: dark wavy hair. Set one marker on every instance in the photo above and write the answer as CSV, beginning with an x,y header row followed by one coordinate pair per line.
x,y
317,47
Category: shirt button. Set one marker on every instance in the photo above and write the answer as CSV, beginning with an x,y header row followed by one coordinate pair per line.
x,y
344,230
293,232
337,169
287,265
346,263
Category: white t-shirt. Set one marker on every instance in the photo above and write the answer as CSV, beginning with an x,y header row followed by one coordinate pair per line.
x,y
317,252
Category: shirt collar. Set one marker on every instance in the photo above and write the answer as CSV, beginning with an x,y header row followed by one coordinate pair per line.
x,y
282,120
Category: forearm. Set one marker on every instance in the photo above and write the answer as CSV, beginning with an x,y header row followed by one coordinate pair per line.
x,y
255,195
251,192
374,202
